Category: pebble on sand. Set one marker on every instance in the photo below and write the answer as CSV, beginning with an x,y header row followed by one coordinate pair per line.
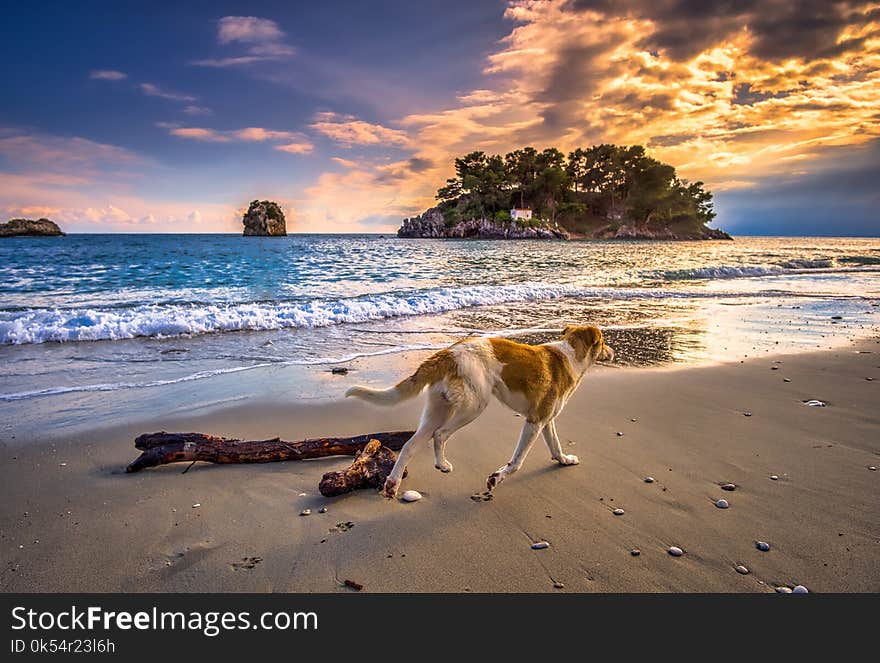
x,y
747,414
741,569
763,546
619,434
800,589
783,590
773,477
323,509
786,380
196,505
728,486
411,496
305,512
722,504
872,468
649,479
540,545
635,552
813,402
675,551
558,585
618,512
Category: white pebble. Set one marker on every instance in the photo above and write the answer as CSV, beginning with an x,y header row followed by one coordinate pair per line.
x,y
323,509
783,590
722,504
800,589
305,512
872,468
762,546
196,505
411,496
728,486
741,569
618,512
649,479
675,551
814,403
540,545
773,477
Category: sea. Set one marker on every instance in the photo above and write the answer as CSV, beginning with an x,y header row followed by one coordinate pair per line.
x,y
95,327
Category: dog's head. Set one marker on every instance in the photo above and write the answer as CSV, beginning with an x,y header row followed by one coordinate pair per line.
x,y
587,341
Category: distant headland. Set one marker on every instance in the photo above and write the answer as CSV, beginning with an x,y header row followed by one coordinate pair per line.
x,y
30,228
601,192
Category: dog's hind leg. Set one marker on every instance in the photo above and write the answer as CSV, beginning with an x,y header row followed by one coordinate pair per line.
x,y
555,446
527,437
463,414
437,411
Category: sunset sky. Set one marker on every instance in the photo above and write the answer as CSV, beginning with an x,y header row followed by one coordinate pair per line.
x,y
166,118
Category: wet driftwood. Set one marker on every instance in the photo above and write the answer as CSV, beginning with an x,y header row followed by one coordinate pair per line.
x,y
163,448
369,470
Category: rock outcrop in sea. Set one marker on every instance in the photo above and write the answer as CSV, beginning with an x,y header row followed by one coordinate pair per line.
x,y
431,224
30,228
264,218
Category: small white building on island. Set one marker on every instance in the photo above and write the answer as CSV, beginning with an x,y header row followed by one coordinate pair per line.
x,y
517,213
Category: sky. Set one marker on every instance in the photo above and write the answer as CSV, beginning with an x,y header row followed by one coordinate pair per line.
x,y
171,117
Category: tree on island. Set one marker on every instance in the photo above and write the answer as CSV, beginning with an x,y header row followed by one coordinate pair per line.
x,y
600,185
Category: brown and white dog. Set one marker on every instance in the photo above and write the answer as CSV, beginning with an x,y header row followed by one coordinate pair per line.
x,y
533,380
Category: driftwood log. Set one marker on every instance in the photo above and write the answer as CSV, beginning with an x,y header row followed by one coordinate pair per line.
x,y
163,448
370,468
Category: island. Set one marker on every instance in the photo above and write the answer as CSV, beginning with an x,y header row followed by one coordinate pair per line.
x,y
30,228
264,218
601,192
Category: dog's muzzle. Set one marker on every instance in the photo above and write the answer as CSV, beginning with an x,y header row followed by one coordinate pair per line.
x,y
607,353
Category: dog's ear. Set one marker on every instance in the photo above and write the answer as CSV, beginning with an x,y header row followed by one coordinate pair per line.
x,y
568,330
593,335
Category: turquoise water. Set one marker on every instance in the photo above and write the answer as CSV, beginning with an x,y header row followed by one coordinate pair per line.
x,y
91,314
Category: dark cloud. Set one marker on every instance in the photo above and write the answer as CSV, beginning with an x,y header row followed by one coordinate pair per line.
x,y
418,165
780,28
837,196
670,140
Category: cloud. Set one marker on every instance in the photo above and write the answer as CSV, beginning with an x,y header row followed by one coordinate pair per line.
x,y
108,75
247,29
263,37
152,90
348,131
197,110
291,142
72,159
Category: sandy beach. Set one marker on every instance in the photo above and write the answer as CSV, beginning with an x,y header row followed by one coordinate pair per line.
x,y
72,520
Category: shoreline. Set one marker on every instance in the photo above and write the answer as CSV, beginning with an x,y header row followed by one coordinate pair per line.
x,y
91,527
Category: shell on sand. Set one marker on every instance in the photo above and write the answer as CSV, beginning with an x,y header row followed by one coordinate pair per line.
x,y
814,403
305,512
618,512
411,496
800,589
728,486
675,551
763,546
741,569
649,479
722,504
540,545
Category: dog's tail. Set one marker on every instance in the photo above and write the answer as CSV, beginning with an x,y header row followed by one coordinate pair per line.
x,y
404,390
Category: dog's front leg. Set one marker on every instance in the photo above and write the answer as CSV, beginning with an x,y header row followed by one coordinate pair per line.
x,y
527,437
552,439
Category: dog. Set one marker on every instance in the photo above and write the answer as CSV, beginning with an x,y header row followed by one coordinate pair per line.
x,y
533,380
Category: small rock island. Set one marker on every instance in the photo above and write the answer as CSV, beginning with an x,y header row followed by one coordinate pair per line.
x,y
30,228
264,218
600,192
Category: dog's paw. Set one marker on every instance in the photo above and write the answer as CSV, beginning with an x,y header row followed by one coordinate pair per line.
x,y
445,467
568,459
389,490
495,478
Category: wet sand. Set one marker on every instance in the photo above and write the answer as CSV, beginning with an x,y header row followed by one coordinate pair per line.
x,y
72,520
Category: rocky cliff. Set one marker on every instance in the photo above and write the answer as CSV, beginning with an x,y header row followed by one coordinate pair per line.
x,y
668,233
264,219
30,228
432,225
